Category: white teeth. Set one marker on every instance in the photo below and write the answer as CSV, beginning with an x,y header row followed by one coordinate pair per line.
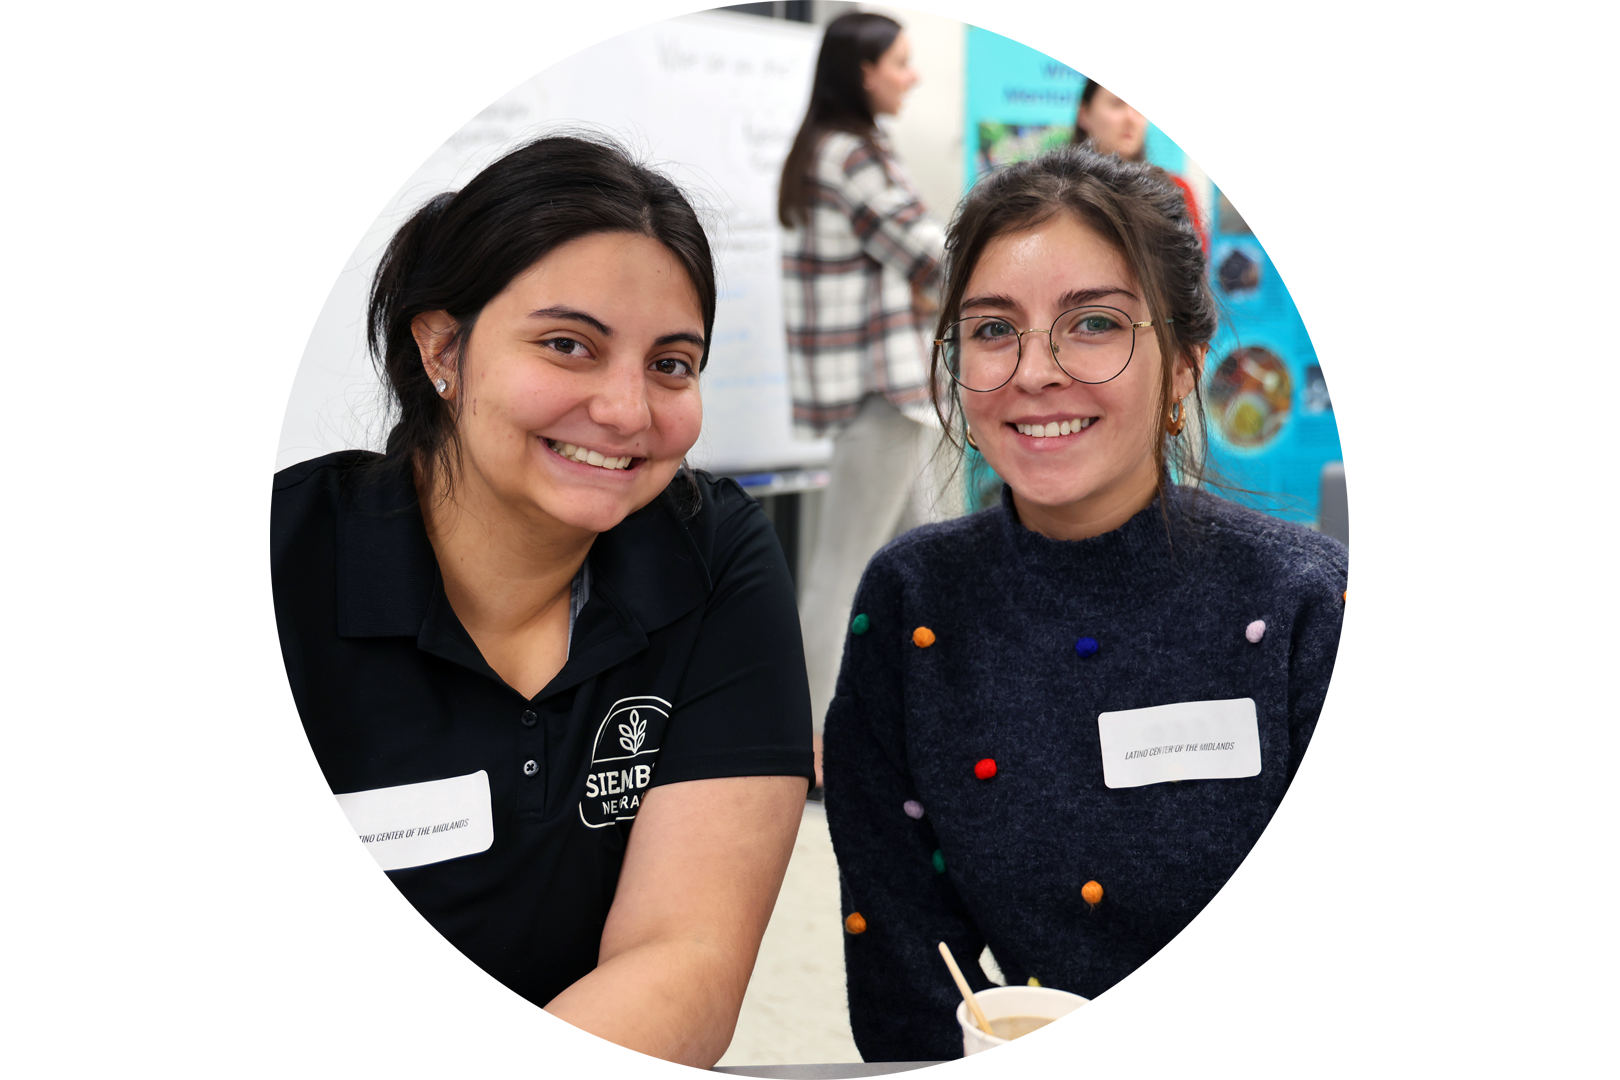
x,y
589,457
1043,431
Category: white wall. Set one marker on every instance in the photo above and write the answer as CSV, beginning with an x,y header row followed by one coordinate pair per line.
x,y
927,135
713,99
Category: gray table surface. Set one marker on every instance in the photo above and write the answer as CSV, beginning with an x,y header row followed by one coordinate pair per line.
x,y
836,1071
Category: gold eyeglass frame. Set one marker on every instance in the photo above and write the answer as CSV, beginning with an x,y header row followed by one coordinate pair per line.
x,y
1135,326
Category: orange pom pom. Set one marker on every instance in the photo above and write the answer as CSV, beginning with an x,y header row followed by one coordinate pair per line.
x,y
855,924
922,637
1091,893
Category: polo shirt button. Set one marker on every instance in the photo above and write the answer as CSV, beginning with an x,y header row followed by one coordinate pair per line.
x,y
529,718
531,767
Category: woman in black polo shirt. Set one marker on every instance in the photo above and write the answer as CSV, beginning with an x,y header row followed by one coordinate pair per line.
x,y
526,627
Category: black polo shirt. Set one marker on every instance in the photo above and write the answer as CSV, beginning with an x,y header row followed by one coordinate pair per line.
x,y
685,663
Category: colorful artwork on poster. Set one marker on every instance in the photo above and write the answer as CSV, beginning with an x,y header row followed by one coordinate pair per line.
x,y
1250,394
1002,144
1238,269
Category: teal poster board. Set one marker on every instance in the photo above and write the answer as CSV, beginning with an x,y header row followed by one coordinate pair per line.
x,y
1271,424
1026,63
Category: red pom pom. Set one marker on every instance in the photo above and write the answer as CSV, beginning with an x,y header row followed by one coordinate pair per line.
x,y
985,769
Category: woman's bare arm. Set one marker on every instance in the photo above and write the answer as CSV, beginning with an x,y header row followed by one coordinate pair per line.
x,y
700,877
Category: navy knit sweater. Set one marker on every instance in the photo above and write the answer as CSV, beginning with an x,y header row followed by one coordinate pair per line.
x,y
1003,680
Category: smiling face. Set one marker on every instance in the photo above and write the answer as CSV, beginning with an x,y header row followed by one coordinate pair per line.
x,y
888,81
577,396
1078,457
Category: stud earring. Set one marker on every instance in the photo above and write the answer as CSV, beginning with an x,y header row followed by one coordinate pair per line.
x,y
440,385
1176,420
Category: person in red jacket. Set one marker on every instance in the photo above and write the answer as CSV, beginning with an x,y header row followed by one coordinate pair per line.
x,y
1111,126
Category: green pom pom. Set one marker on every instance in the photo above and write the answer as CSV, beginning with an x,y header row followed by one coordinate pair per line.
x,y
939,861
861,624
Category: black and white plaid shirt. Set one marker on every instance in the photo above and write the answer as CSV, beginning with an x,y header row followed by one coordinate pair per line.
x,y
848,287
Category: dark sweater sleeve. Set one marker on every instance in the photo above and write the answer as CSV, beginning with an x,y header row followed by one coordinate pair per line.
x,y
901,998
1315,642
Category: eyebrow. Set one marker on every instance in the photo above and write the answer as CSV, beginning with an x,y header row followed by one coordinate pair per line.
x,y
602,328
1071,299
988,301
1080,297
572,313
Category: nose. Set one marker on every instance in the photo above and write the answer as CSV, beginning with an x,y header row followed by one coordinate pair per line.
x,y
620,402
1037,370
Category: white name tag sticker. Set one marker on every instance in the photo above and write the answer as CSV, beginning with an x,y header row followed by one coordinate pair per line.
x,y
417,824
1191,740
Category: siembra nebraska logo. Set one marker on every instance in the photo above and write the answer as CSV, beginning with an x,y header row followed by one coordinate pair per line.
x,y
622,759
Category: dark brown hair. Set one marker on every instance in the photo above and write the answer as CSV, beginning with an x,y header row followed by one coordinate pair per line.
x,y
1138,210
838,102
1081,135
462,248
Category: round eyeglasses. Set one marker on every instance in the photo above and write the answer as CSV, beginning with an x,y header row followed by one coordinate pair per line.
x,y
1089,344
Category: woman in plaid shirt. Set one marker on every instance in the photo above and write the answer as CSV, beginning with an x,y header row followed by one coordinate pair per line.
x,y
861,262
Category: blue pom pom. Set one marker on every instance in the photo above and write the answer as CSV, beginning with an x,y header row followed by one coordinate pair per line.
x,y
1086,646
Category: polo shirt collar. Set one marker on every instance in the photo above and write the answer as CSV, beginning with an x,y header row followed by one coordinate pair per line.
x,y
646,572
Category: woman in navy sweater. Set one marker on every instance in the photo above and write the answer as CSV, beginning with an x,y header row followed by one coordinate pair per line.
x,y
1061,723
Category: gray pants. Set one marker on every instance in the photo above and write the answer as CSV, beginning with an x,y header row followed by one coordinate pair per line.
x,y
885,479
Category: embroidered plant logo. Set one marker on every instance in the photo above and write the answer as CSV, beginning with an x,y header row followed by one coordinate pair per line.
x,y
633,734
622,759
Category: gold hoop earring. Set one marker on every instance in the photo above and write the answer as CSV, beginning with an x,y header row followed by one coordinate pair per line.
x,y
1176,420
970,441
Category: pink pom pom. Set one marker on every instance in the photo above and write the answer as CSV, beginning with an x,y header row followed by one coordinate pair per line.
x,y
913,809
1255,631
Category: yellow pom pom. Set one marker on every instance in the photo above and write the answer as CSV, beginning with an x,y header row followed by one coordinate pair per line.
x,y
1033,981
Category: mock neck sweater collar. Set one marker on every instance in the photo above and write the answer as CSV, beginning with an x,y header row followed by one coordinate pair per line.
x,y
1127,563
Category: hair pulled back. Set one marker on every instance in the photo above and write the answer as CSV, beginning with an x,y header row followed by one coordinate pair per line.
x,y
1137,209
838,102
461,249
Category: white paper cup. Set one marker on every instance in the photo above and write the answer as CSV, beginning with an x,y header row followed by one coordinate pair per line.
x,y
990,1058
